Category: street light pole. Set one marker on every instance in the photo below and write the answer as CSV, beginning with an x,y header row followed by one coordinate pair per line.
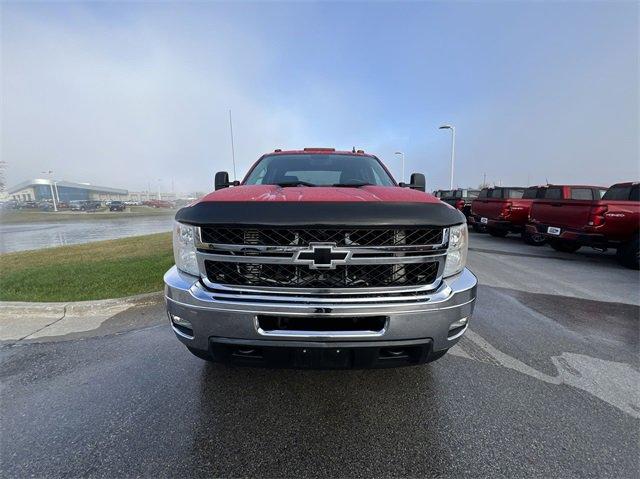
x,y
402,154
453,150
53,195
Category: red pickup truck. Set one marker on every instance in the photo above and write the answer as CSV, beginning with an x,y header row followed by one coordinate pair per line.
x,y
504,210
574,216
319,259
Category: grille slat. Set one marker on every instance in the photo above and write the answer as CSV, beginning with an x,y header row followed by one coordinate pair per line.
x,y
298,276
341,237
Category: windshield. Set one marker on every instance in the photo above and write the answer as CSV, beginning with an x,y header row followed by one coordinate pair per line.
x,y
319,170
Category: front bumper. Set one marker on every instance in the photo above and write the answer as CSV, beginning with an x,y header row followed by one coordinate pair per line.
x,y
595,240
496,224
218,326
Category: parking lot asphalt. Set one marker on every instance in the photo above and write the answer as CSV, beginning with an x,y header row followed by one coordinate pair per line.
x,y
546,383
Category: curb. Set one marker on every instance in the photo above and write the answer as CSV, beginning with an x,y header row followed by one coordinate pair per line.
x,y
101,306
20,321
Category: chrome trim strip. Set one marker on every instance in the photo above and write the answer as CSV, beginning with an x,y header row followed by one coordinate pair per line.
x,y
296,299
312,291
223,258
201,245
310,310
293,249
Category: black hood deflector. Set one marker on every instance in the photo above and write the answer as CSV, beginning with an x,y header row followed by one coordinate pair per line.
x,y
318,214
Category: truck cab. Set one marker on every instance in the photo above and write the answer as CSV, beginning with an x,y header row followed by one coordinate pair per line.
x,y
319,259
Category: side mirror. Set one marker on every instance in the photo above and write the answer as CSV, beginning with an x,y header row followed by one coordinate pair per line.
x,y
222,180
418,182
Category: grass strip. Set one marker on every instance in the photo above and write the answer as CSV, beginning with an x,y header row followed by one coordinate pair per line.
x,y
98,270
34,216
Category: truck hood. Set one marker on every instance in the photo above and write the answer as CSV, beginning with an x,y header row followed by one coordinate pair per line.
x,y
272,206
319,193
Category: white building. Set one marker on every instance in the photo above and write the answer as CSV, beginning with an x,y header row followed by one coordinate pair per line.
x,y
42,189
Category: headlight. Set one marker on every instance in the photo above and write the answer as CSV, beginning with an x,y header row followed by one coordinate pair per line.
x,y
184,248
457,250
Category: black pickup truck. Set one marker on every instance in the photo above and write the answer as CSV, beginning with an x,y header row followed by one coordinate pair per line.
x,y
460,199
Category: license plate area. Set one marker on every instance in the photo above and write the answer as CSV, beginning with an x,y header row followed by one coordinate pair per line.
x,y
484,221
273,325
552,230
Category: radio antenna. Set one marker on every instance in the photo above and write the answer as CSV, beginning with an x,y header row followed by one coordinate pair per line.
x,y
233,151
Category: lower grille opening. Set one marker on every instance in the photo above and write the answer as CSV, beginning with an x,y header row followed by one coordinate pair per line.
x,y
338,356
321,324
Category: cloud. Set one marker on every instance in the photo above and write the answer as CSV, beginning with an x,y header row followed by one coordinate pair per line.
x,y
126,107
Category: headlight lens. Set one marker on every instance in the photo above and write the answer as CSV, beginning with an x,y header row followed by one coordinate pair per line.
x,y
457,251
184,248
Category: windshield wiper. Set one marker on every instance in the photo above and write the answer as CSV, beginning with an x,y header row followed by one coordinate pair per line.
x,y
284,184
354,184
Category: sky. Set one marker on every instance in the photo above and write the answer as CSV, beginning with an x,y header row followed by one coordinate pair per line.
x,y
137,94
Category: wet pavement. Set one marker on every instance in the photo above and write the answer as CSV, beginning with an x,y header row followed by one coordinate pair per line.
x,y
38,235
544,384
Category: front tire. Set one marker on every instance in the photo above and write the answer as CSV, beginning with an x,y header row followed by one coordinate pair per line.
x,y
498,233
629,254
564,246
533,239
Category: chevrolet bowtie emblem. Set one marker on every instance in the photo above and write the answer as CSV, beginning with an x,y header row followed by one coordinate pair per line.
x,y
322,256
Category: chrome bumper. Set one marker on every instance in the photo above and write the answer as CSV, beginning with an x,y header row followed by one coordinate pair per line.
x,y
211,316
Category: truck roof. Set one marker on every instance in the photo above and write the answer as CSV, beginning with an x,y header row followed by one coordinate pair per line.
x,y
626,183
317,150
550,185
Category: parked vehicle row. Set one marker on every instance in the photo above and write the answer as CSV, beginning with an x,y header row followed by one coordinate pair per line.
x,y
82,205
158,204
567,217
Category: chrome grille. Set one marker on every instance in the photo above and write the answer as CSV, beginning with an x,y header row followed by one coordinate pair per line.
x,y
276,260
303,237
